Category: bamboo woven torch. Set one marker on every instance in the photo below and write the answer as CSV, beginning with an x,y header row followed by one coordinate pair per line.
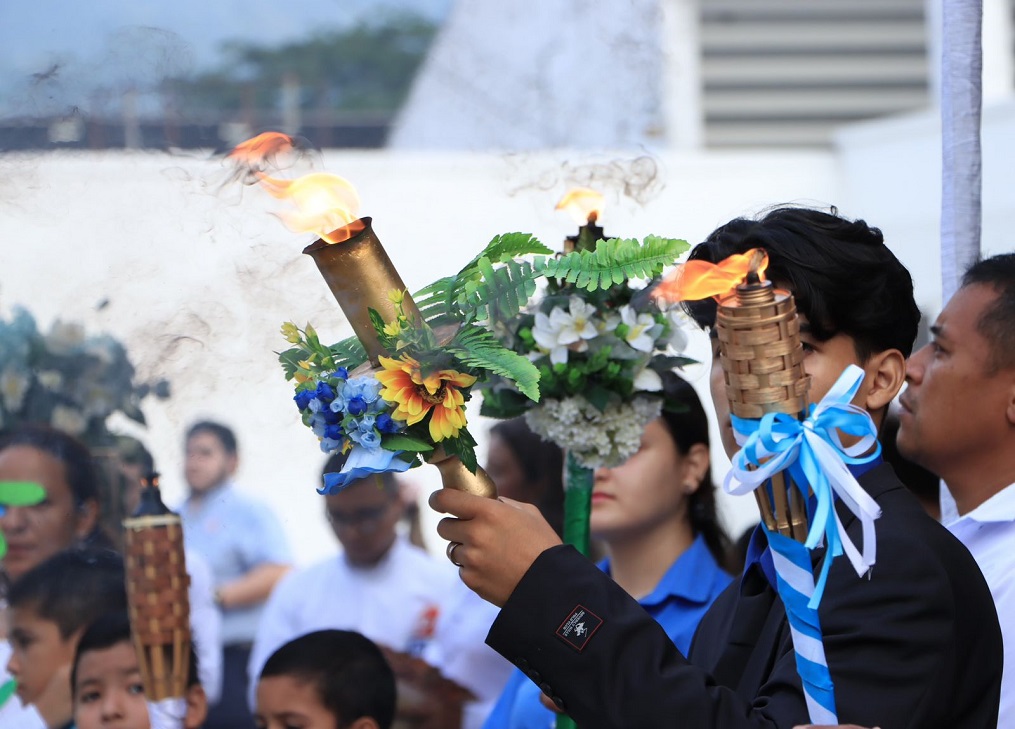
x,y
762,361
157,595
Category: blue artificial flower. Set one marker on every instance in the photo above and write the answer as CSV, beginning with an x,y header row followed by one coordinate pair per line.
x,y
331,417
342,373
315,405
324,392
328,445
356,406
337,406
387,424
333,432
361,463
303,398
367,387
370,439
318,427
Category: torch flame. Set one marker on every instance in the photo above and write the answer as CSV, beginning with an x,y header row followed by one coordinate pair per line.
x,y
696,280
256,150
583,204
324,204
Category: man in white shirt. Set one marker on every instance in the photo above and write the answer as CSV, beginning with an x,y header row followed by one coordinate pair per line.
x,y
380,585
958,420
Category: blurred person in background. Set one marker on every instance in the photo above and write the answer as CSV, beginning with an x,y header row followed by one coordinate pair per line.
x,y
380,584
243,543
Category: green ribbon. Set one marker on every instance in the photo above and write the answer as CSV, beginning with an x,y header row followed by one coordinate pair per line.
x,y
7,690
17,493
577,509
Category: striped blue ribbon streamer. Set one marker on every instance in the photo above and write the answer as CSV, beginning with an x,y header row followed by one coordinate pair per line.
x,y
795,584
813,456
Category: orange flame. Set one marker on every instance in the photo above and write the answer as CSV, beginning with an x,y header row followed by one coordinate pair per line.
x,y
324,204
256,149
583,204
696,280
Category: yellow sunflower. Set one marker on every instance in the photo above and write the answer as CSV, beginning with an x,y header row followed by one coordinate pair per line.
x,y
416,395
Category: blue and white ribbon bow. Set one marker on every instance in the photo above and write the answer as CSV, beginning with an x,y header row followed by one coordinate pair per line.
x,y
812,453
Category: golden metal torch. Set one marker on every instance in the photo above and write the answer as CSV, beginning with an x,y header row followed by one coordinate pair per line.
x,y
360,275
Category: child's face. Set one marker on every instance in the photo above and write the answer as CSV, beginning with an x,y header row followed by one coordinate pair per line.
x,y
40,657
286,703
108,693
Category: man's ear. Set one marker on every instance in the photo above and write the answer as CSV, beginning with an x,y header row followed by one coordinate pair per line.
x,y
1009,411
197,707
885,373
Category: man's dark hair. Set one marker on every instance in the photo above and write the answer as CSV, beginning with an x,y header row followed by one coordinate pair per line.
x,y
109,630
997,323
223,433
843,277
349,672
72,588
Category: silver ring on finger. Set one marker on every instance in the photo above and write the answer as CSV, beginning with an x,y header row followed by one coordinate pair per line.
x,y
450,552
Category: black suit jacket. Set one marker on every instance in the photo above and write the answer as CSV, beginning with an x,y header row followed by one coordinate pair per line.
x,y
914,644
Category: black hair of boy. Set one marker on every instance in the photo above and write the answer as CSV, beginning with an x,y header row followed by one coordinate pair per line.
x,y
843,277
109,630
351,675
72,588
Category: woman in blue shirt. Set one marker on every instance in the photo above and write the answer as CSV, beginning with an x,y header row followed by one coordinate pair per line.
x,y
656,514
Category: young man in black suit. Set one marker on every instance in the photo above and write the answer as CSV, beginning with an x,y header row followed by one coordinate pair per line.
x,y
914,644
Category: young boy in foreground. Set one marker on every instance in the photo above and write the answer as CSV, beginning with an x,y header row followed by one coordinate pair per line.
x,y
328,679
50,607
106,681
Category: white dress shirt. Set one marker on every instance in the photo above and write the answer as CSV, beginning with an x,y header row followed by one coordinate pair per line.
x,y
394,603
988,531
460,652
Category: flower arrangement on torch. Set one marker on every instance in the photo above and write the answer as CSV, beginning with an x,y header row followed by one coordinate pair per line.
x,y
391,417
600,343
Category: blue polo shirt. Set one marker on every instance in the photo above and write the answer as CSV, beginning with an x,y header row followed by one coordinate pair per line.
x,y
234,534
678,603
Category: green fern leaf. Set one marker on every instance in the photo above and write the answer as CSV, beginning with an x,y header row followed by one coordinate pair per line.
x,y
477,347
503,248
348,353
613,261
500,293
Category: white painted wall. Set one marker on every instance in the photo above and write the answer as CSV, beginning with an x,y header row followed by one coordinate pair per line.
x,y
199,280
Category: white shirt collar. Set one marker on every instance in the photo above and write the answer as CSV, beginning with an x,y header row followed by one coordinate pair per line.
x,y
998,508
